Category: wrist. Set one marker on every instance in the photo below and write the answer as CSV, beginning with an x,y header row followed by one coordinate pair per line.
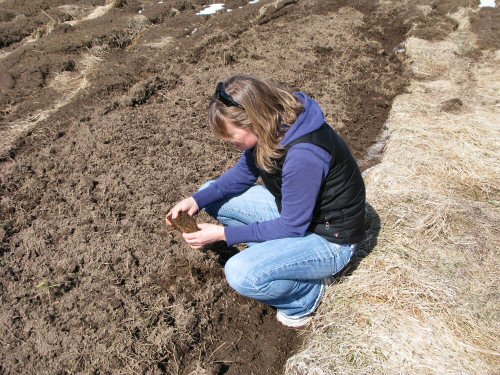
x,y
223,234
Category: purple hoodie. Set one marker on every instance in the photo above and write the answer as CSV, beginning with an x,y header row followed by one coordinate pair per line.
x,y
304,169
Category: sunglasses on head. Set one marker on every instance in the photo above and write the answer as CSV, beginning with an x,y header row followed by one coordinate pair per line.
x,y
225,98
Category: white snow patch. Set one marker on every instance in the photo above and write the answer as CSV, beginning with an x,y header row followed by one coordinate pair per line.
x,y
253,1
211,9
375,152
487,3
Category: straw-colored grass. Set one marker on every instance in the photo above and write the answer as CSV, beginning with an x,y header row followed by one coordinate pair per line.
x,y
71,83
94,13
425,299
68,85
163,42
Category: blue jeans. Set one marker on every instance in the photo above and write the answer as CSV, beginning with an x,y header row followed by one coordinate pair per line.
x,y
286,273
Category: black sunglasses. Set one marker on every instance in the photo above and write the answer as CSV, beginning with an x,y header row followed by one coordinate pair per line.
x,y
225,98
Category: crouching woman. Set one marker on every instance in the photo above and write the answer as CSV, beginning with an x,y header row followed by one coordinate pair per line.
x,y
302,225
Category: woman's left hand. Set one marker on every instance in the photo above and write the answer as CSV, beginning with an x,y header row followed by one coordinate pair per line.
x,y
208,233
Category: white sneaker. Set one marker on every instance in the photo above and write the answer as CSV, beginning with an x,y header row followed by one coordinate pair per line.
x,y
302,322
291,322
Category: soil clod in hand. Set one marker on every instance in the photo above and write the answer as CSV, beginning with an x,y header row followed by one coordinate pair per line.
x,y
184,223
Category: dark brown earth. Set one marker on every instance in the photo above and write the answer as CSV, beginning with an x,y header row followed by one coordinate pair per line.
x,y
486,25
103,129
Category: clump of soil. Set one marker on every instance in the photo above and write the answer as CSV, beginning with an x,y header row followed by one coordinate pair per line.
x,y
184,223
107,112
452,105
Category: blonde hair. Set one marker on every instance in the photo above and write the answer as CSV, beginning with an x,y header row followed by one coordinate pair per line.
x,y
268,111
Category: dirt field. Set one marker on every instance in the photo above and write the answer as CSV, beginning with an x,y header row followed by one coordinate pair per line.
x,y
102,130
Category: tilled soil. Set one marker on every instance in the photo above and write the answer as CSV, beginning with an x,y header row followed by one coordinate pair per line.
x,y
102,112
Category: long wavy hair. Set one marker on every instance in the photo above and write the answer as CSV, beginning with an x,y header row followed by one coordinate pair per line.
x,y
268,111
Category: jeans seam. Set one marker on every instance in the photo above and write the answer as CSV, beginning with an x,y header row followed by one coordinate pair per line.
x,y
321,293
280,267
314,307
233,210
302,261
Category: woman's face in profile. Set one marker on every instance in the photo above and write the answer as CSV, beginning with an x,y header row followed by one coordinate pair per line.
x,y
241,139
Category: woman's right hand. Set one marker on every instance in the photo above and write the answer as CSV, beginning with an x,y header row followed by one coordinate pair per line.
x,y
188,204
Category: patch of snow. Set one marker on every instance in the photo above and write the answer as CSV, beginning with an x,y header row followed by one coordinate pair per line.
x,y
211,9
487,3
375,152
253,1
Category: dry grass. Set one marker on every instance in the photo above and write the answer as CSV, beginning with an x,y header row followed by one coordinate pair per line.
x,y
163,42
35,35
68,85
94,13
425,300
41,32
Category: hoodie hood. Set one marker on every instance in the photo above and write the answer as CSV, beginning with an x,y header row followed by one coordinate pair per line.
x,y
309,120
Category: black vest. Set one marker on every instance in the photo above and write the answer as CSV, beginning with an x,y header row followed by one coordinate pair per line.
x,y
339,213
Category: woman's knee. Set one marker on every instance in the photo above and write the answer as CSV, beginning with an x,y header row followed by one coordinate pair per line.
x,y
238,274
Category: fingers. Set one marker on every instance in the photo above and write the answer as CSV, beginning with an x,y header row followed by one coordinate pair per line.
x,y
167,217
190,236
174,212
189,205
194,243
194,240
193,209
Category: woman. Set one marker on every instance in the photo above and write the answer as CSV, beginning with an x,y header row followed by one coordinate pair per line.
x,y
302,226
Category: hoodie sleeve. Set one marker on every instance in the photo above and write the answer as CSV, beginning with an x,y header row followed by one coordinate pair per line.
x,y
235,181
304,170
